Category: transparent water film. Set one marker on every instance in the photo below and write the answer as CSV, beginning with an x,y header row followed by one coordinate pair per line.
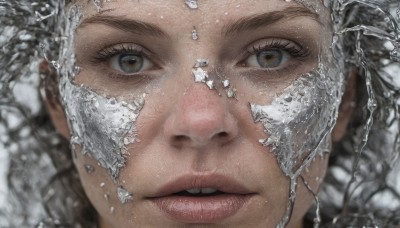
x,y
101,126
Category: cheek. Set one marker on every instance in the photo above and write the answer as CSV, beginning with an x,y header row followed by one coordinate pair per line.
x,y
299,121
99,188
102,127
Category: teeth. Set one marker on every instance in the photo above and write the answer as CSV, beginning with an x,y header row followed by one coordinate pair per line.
x,y
208,190
202,190
194,190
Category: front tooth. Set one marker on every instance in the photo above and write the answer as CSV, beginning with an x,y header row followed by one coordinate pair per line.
x,y
194,190
208,190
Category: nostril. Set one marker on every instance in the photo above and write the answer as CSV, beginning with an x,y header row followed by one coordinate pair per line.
x,y
222,135
180,138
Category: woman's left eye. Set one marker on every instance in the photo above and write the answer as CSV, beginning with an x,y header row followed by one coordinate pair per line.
x,y
130,63
271,59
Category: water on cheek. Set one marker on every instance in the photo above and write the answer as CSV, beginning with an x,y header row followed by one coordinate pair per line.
x,y
298,123
299,119
103,127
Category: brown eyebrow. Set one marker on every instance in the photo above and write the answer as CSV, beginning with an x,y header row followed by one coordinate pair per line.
x,y
256,21
125,24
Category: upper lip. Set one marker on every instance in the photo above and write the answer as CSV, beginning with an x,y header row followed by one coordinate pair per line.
x,y
220,182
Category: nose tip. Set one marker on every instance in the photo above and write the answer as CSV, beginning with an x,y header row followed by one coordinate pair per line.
x,y
200,118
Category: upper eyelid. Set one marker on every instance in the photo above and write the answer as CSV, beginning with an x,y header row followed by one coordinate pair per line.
x,y
112,50
265,43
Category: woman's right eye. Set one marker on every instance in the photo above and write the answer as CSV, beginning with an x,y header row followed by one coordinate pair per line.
x,y
130,63
126,59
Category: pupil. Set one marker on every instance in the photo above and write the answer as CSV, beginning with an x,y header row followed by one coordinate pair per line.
x,y
269,59
130,63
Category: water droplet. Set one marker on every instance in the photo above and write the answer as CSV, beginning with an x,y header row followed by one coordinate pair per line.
x,y
210,84
194,34
192,4
123,195
231,92
89,169
226,83
201,63
199,75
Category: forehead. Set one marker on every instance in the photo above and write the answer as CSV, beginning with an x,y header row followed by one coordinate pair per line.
x,y
208,11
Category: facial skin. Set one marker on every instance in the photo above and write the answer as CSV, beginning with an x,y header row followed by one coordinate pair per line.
x,y
184,128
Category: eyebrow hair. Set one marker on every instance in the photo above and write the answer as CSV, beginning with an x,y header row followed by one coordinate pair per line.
x,y
125,24
256,21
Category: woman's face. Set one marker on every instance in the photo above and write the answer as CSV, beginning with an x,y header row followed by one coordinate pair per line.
x,y
175,110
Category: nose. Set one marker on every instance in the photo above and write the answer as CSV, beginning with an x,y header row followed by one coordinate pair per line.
x,y
200,118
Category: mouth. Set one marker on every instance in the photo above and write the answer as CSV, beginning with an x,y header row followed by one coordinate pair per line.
x,y
201,198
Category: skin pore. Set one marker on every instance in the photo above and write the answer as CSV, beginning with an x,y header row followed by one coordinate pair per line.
x,y
185,129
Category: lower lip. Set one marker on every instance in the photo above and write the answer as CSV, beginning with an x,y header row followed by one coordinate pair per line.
x,y
201,209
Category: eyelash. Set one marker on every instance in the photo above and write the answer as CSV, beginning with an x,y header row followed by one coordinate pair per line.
x,y
291,48
106,53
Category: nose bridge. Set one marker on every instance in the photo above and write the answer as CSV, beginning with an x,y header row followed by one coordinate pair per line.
x,y
203,105
199,118
203,112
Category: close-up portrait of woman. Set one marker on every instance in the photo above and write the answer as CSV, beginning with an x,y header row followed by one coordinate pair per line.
x,y
208,113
